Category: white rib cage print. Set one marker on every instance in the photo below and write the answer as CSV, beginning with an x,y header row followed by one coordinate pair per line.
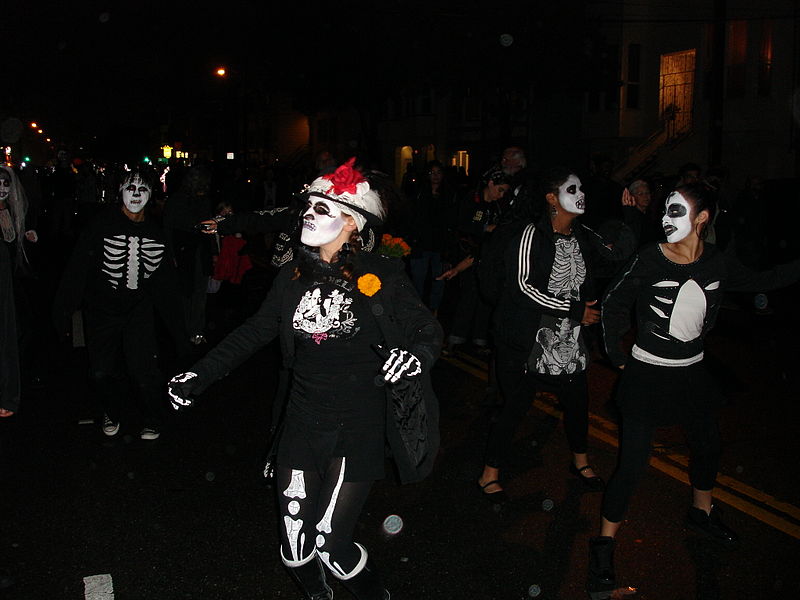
x,y
569,270
525,270
130,258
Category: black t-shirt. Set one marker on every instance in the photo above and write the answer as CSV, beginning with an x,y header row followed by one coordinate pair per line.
x,y
335,336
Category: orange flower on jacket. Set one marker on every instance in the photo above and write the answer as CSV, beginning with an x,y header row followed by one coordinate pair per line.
x,y
369,284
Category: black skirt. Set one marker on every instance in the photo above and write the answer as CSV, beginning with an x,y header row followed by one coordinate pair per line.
x,y
664,396
315,432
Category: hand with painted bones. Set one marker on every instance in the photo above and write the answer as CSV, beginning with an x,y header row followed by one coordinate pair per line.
x,y
180,388
401,363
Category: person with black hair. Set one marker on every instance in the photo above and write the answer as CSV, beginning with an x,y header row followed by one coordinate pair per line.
x,y
120,272
546,297
477,218
433,224
361,346
676,288
184,209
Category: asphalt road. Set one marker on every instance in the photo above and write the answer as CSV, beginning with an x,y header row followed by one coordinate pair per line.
x,y
190,515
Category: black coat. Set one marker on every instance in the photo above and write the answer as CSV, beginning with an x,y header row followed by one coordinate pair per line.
x,y
412,428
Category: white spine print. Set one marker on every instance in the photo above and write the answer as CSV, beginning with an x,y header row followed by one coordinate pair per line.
x,y
123,256
133,263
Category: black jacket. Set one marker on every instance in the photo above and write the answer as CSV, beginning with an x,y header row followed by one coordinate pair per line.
x,y
412,412
519,283
677,304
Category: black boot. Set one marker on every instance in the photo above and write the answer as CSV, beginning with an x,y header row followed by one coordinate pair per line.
x,y
711,525
367,585
601,583
311,579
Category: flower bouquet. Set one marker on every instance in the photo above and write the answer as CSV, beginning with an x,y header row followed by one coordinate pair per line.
x,y
395,247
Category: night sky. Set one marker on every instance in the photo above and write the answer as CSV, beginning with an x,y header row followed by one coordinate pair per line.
x,y
111,69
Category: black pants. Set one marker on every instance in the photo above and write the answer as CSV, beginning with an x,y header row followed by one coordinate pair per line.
x,y
318,515
472,314
519,388
120,345
634,455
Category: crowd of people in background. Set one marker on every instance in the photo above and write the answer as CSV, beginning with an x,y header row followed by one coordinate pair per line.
x,y
196,248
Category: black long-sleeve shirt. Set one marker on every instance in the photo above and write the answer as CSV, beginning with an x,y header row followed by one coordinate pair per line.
x,y
677,304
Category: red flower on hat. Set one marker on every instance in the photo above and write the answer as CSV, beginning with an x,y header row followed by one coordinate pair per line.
x,y
345,178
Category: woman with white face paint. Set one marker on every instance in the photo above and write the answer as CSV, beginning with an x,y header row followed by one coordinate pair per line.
x,y
676,288
16,224
548,297
360,344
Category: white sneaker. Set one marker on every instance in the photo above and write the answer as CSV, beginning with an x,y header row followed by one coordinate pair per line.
x,y
148,433
109,427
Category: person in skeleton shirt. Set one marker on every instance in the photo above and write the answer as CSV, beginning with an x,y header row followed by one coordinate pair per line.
x,y
676,288
360,344
547,299
119,272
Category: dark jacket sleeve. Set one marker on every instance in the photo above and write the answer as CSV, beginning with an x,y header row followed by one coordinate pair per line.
x,y
618,252
616,310
422,331
245,340
262,221
745,279
520,264
72,287
166,297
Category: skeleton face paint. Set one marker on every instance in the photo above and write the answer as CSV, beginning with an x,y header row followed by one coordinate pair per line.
x,y
5,187
571,196
135,195
322,222
677,223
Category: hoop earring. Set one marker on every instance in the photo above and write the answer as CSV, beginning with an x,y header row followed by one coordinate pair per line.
x,y
553,211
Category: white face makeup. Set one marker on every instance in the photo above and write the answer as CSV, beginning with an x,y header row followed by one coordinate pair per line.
x,y
135,195
322,222
5,187
571,196
677,223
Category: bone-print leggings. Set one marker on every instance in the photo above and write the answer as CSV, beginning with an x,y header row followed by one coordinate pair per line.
x,y
318,515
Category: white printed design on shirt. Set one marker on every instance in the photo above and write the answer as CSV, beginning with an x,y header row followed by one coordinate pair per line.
x,y
558,340
560,347
686,319
130,258
569,270
322,318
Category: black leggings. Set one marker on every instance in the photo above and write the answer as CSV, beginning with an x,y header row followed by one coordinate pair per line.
x,y
634,455
519,388
318,516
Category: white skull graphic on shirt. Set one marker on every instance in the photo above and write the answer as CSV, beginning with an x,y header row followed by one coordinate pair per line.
x,y
130,259
330,315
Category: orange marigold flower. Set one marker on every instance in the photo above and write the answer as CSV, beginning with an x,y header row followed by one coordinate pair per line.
x,y
369,284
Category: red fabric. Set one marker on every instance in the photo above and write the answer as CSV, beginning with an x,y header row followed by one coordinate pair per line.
x,y
230,265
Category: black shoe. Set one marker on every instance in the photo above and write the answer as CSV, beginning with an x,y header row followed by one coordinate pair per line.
x,y
499,497
711,525
600,582
367,584
311,579
594,483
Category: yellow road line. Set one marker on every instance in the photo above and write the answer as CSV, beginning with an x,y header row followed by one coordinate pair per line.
x,y
680,474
